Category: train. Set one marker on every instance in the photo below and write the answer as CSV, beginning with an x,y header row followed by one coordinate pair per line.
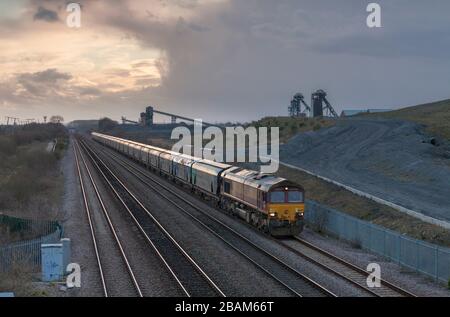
x,y
272,204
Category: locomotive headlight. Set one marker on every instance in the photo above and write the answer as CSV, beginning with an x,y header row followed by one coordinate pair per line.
x,y
272,214
299,211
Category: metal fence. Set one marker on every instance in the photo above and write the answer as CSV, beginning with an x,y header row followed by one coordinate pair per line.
x,y
28,227
421,256
27,253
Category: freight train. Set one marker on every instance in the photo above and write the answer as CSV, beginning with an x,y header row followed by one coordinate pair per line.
x,y
272,204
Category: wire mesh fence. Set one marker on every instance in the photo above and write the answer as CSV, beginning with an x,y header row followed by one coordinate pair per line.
x,y
22,229
27,252
420,256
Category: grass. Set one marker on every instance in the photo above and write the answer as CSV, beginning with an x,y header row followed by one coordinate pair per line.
x,y
291,126
288,127
30,181
17,280
434,116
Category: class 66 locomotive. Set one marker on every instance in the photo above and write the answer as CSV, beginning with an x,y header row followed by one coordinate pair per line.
x,y
272,204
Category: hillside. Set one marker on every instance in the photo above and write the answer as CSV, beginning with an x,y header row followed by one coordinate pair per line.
x,y
291,126
435,116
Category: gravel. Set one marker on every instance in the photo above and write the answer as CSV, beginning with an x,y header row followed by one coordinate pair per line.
x,y
412,281
117,278
152,277
175,219
76,228
418,284
390,159
232,273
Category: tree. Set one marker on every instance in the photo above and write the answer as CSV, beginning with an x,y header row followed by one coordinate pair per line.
x,y
56,119
106,124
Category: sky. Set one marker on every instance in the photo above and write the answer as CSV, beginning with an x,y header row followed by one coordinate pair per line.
x,y
219,60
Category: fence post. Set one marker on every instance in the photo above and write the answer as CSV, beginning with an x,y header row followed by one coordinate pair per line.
x,y
436,263
417,256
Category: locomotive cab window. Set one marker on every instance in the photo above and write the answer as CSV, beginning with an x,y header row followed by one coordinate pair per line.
x,y
226,187
295,196
277,197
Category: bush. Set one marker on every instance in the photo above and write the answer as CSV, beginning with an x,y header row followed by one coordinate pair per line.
x,y
28,179
30,182
18,278
37,161
20,187
106,124
60,148
317,126
294,128
38,132
7,145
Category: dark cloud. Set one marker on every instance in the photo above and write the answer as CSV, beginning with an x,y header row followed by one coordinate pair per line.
x,y
240,60
146,81
47,76
46,15
422,44
42,83
257,54
89,91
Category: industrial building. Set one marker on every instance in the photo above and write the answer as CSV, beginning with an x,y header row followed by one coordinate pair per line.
x,y
354,112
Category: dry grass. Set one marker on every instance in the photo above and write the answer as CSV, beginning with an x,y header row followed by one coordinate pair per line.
x,y
291,126
30,182
17,280
435,116
288,128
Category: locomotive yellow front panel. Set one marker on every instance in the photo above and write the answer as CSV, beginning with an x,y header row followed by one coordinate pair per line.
x,y
289,211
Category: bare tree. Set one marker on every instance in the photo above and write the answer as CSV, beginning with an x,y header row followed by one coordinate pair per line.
x,y
56,119
106,124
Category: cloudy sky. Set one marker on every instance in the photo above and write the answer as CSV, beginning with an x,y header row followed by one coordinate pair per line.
x,y
218,59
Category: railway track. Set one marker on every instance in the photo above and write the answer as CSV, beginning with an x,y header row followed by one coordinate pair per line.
x,y
189,276
329,262
342,268
293,280
103,232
